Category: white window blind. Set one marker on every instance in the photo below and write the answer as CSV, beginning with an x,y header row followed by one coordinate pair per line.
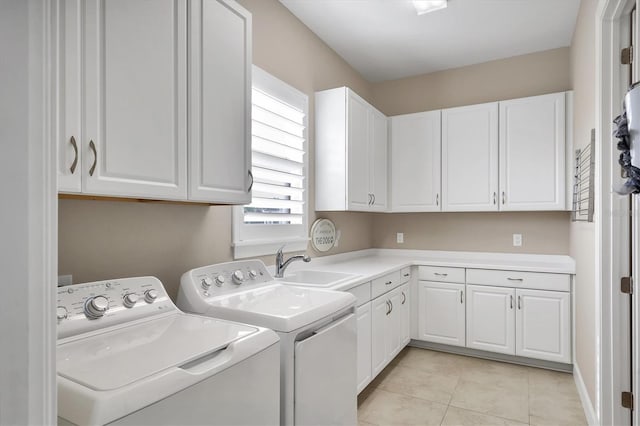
x,y
277,213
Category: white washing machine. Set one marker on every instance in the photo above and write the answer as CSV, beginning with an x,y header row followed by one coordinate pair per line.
x,y
317,330
127,356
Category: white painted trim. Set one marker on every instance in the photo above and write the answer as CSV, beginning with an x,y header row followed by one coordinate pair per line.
x,y
253,248
589,411
610,214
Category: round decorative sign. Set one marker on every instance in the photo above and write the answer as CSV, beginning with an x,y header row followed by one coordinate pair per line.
x,y
323,235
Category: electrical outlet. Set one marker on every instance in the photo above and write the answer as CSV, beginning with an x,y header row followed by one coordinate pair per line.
x,y
517,240
64,280
400,238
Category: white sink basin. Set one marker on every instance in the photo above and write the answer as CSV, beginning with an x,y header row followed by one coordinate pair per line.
x,y
316,278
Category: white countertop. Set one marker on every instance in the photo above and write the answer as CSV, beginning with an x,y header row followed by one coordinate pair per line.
x,y
373,263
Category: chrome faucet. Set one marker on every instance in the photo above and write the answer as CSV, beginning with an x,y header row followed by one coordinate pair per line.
x,y
282,264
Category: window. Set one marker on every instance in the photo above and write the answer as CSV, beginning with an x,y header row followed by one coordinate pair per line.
x,y
277,214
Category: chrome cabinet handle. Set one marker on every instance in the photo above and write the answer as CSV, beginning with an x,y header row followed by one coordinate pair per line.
x,y
95,157
461,297
374,199
511,301
494,198
391,303
437,199
73,143
370,199
388,307
515,279
439,274
404,297
519,302
251,184
406,275
503,198
388,283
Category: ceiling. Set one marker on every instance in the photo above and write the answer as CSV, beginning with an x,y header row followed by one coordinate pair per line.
x,y
387,40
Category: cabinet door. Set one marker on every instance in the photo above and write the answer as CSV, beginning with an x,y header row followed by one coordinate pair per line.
x,y
358,130
396,320
405,316
363,315
220,90
491,319
415,162
69,101
532,153
441,313
543,325
378,160
470,158
135,58
380,332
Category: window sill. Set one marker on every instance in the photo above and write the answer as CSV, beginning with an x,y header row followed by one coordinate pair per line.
x,y
254,248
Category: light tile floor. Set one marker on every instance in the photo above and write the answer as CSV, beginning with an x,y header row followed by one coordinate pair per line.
x,y
422,387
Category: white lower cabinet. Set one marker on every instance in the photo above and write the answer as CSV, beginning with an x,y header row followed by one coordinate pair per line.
x,y
389,326
543,325
491,319
363,316
441,313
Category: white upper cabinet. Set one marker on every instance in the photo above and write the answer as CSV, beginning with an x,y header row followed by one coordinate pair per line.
x,y
135,62
470,158
220,90
69,101
351,153
415,162
532,153
127,126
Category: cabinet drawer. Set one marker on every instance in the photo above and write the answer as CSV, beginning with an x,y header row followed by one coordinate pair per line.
x,y
362,293
518,279
385,283
442,274
405,275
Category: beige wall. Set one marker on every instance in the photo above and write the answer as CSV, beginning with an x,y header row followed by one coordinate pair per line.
x,y
526,75
548,233
582,235
519,76
105,239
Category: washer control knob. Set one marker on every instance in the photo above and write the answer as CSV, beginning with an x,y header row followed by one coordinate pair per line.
x,y
95,307
61,313
237,277
150,296
206,283
253,274
219,280
129,300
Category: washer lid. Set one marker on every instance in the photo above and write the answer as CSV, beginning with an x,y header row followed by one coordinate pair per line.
x,y
117,358
279,307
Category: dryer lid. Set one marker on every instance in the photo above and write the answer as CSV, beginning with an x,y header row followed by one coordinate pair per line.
x,y
119,357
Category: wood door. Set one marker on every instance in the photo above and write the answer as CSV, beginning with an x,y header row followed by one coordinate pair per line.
x,y
441,313
491,319
135,57
220,90
358,161
532,153
470,158
543,325
415,162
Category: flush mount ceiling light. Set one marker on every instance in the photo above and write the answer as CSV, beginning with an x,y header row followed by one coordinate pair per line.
x,y
426,6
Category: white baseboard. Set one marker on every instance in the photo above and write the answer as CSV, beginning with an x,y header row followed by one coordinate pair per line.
x,y
589,411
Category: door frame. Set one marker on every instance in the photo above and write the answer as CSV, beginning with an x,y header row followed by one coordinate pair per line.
x,y
612,231
27,365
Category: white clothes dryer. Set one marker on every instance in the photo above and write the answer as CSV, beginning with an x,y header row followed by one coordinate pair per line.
x,y
127,356
317,330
